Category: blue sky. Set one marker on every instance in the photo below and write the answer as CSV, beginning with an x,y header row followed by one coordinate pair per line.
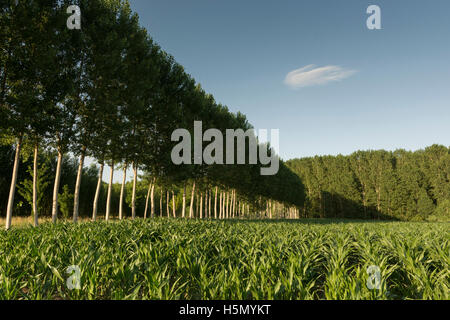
x,y
395,92
396,95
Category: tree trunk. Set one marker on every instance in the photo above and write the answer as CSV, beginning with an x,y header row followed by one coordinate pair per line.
x,y
191,209
167,204
133,196
147,198
35,175
160,204
12,190
215,205
122,190
227,206
56,187
152,199
209,204
220,206
183,210
76,198
97,192
201,205
174,209
108,199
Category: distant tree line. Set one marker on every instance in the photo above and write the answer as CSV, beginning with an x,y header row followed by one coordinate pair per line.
x,y
379,184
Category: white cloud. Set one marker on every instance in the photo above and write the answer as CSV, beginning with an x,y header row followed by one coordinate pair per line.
x,y
311,76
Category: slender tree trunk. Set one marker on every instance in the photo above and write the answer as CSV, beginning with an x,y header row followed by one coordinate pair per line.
x,y
215,204
147,198
228,206
167,204
191,209
270,209
108,199
220,206
122,190
56,187
234,204
152,196
35,175
209,204
161,204
12,190
206,204
196,207
133,196
76,198
97,192
183,210
174,209
201,205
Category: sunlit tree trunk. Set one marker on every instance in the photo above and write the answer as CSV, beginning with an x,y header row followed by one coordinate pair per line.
x,y
167,204
133,196
220,206
97,192
209,204
228,206
12,190
183,210
122,190
147,199
108,199
161,204
35,175
56,187
191,209
152,200
215,204
201,205
76,198
174,209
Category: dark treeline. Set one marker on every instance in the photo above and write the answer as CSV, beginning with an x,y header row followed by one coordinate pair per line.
x,y
380,184
107,91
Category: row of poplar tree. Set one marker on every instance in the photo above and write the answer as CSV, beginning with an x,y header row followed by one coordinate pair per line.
x,y
109,92
402,184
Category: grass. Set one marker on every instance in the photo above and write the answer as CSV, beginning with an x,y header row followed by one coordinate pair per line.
x,y
191,259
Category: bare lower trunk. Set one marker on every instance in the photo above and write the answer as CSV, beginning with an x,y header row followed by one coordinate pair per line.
x,y
201,205
215,204
167,204
220,205
97,192
152,200
209,204
174,209
12,190
160,204
191,209
35,175
108,199
227,206
183,210
147,198
76,198
56,187
122,191
133,196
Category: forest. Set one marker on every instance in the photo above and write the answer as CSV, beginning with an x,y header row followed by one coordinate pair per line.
x,y
400,185
108,92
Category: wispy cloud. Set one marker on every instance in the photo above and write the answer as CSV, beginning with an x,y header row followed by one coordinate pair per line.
x,y
310,75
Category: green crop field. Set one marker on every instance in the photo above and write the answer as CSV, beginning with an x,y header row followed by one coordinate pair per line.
x,y
179,259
